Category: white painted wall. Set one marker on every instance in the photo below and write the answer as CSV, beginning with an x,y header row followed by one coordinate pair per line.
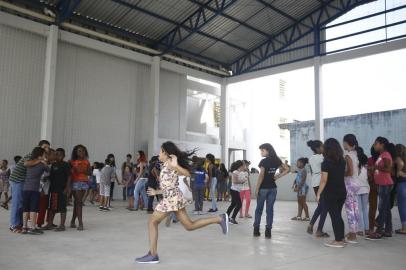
x,y
22,60
99,102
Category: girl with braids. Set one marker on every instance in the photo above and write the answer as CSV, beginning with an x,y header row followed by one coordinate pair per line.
x,y
383,178
175,163
352,169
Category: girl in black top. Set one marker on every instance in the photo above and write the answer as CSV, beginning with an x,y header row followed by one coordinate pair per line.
x,y
332,188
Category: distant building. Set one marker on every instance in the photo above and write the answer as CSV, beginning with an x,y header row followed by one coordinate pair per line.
x,y
389,124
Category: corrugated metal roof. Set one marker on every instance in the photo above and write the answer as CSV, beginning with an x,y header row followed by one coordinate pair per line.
x,y
228,34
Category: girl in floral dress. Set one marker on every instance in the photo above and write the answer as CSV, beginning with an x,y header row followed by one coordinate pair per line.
x,y
175,163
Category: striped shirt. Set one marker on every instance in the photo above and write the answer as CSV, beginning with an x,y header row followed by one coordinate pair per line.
x,y
20,171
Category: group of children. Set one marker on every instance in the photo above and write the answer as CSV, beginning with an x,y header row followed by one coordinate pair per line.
x,y
346,177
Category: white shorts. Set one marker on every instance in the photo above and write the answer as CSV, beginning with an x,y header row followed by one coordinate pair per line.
x,y
105,189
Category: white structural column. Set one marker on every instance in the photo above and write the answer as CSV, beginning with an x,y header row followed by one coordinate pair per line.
x,y
224,128
318,94
154,106
49,83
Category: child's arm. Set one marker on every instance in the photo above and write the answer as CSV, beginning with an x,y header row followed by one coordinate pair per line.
x,y
283,170
152,192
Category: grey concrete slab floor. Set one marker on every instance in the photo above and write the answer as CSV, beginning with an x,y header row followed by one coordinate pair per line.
x,y
111,240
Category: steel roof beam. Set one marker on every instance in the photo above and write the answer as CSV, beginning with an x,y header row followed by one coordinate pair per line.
x,y
65,9
281,12
182,26
234,20
293,33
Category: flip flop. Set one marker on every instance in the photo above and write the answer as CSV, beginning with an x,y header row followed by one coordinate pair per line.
x,y
400,232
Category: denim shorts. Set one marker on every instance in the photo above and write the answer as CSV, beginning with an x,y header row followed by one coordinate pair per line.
x,y
80,186
303,191
130,191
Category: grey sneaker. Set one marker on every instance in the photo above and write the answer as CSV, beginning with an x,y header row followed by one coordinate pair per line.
x,y
148,259
224,223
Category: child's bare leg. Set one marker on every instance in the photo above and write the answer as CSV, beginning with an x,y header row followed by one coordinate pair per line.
x,y
191,225
153,223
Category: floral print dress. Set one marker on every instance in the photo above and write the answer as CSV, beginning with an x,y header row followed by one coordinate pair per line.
x,y
173,199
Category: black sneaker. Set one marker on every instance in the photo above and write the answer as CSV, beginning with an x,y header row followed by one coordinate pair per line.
x,y
256,232
232,221
268,233
211,210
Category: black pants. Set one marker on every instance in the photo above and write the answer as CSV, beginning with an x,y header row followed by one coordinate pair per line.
x,y
198,193
235,203
124,193
320,211
152,183
334,207
111,191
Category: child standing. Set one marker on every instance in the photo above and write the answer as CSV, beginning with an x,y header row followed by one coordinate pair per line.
x,y
31,194
128,181
80,171
4,176
363,193
107,174
239,177
200,177
352,168
300,186
59,189
245,190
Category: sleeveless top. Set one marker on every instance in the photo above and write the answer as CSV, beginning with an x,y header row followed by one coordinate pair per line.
x,y
351,182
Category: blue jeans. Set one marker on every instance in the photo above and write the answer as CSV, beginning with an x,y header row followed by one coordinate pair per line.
x,y
384,219
213,188
401,191
268,195
16,214
140,187
363,207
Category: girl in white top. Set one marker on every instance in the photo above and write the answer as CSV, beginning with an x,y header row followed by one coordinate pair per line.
x,y
238,177
363,192
245,191
352,169
315,171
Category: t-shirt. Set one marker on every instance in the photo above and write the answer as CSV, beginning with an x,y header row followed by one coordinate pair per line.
x,y
82,165
315,169
97,174
107,173
59,175
199,176
20,171
244,176
33,177
271,166
383,178
362,181
335,186
129,179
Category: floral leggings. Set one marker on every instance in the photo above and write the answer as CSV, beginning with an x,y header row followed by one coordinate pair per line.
x,y
351,208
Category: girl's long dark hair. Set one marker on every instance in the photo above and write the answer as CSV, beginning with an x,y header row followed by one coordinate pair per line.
x,y
211,158
314,145
236,165
374,154
333,151
184,157
74,155
271,151
113,163
391,148
352,141
401,152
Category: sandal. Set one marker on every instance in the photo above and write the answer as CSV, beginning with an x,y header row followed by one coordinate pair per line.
x,y
400,231
248,216
73,225
309,230
322,235
60,229
296,218
306,219
5,206
80,228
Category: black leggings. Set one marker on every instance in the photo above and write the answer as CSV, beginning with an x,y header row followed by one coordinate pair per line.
x,y
320,211
335,207
235,203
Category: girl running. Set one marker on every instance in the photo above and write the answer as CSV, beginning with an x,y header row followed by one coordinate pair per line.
x,y
175,163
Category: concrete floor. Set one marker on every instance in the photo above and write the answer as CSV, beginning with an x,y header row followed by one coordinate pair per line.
x,y
112,240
